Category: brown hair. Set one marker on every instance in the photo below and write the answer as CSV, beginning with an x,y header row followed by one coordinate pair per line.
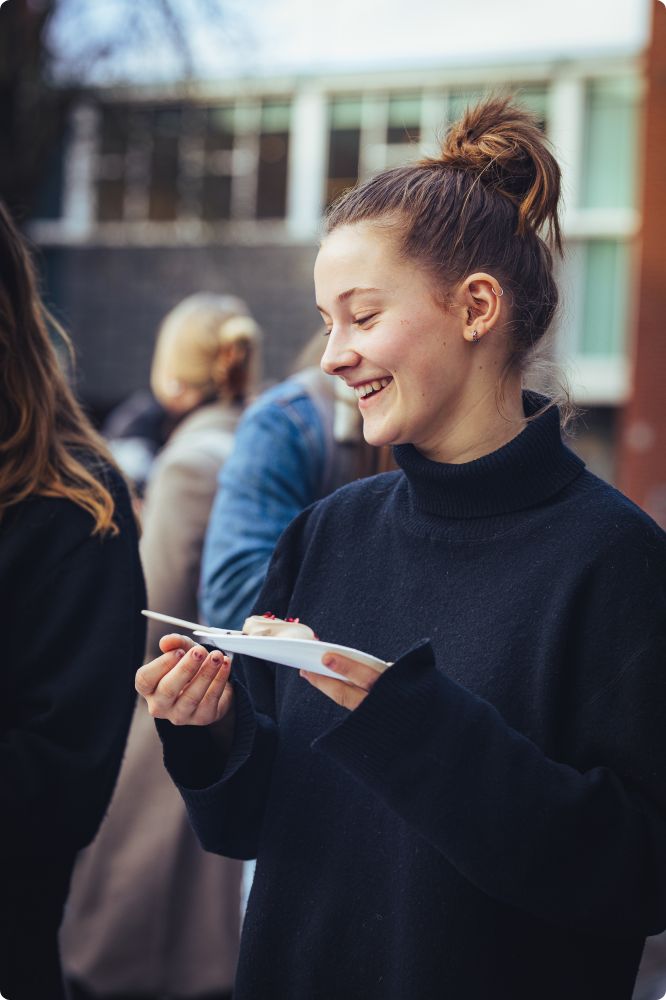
x,y
480,205
47,445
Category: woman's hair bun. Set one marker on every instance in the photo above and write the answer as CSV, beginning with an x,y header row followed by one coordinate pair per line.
x,y
502,143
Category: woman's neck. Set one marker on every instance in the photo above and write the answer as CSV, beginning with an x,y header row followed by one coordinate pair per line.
x,y
480,426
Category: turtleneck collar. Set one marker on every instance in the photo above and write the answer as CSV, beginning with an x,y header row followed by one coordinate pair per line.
x,y
532,467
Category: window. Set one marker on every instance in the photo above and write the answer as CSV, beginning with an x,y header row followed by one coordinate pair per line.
x,y
460,100
163,203
610,143
344,145
114,130
219,126
593,319
404,120
273,161
183,162
532,96
218,144
111,175
606,298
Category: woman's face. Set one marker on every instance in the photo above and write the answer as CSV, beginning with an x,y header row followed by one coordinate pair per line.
x,y
407,357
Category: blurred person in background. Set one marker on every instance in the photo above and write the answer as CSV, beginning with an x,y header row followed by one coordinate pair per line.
x,y
138,428
135,430
206,367
71,592
151,914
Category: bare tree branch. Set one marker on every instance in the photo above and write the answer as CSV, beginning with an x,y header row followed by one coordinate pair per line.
x,y
178,35
50,50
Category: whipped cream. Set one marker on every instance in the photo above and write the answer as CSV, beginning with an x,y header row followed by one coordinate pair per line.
x,y
280,627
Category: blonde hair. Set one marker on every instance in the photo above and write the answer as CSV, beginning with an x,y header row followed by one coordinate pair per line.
x,y
189,342
47,445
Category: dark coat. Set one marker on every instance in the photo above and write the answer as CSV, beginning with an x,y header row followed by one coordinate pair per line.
x,y
150,912
72,638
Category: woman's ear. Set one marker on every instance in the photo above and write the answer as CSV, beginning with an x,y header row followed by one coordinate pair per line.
x,y
482,298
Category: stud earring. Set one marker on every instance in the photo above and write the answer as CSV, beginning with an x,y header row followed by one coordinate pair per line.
x,y
475,337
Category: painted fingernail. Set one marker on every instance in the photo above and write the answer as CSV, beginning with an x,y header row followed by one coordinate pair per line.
x,y
198,654
217,659
178,653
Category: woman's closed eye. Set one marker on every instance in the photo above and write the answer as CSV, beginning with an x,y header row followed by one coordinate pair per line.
x,y
362,320
359,321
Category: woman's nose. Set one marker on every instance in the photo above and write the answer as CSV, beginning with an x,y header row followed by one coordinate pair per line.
x,y
338,357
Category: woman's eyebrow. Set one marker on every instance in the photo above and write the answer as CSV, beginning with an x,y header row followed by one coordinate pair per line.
x,y
343,296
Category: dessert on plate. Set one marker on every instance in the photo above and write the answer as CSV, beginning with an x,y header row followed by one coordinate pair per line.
x,y
281,628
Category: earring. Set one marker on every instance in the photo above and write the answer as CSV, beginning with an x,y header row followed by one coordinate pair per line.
x,y
498,295
475,337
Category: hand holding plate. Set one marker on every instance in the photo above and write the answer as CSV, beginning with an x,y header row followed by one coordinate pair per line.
x,y
349,692
186,684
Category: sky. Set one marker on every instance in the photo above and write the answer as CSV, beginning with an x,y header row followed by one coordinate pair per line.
x,y
277,36
363,33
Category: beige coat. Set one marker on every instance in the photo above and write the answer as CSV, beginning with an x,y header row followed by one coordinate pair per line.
x,y
149,910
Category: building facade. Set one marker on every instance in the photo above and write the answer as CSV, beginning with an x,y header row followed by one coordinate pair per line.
x,y
161,193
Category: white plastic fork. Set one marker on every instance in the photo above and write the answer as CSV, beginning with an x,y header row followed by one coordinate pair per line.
x,y
192,626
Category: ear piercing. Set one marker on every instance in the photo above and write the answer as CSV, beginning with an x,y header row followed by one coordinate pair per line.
x,y
498,295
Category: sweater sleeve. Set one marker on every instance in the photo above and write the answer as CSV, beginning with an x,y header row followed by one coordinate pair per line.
x,y
226,798
75,645
580,845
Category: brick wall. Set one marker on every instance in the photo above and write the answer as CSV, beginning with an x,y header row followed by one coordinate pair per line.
x,y
642,452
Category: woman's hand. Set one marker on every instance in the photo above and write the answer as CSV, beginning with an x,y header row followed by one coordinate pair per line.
x,y
186,685
361,679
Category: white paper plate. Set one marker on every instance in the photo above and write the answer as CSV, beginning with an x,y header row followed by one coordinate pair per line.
x,y
302,654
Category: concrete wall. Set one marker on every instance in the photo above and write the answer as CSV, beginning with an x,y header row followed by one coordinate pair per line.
x,y
111,299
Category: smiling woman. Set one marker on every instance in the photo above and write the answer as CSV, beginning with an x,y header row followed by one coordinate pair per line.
x,y
486,817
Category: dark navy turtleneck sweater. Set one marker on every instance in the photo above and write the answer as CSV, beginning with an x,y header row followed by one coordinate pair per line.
x,y
491,821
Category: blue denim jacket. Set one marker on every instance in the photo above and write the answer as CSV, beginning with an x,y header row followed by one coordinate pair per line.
x,y
276,468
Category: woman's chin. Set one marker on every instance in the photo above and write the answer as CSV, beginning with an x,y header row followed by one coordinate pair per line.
x,y
378,438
